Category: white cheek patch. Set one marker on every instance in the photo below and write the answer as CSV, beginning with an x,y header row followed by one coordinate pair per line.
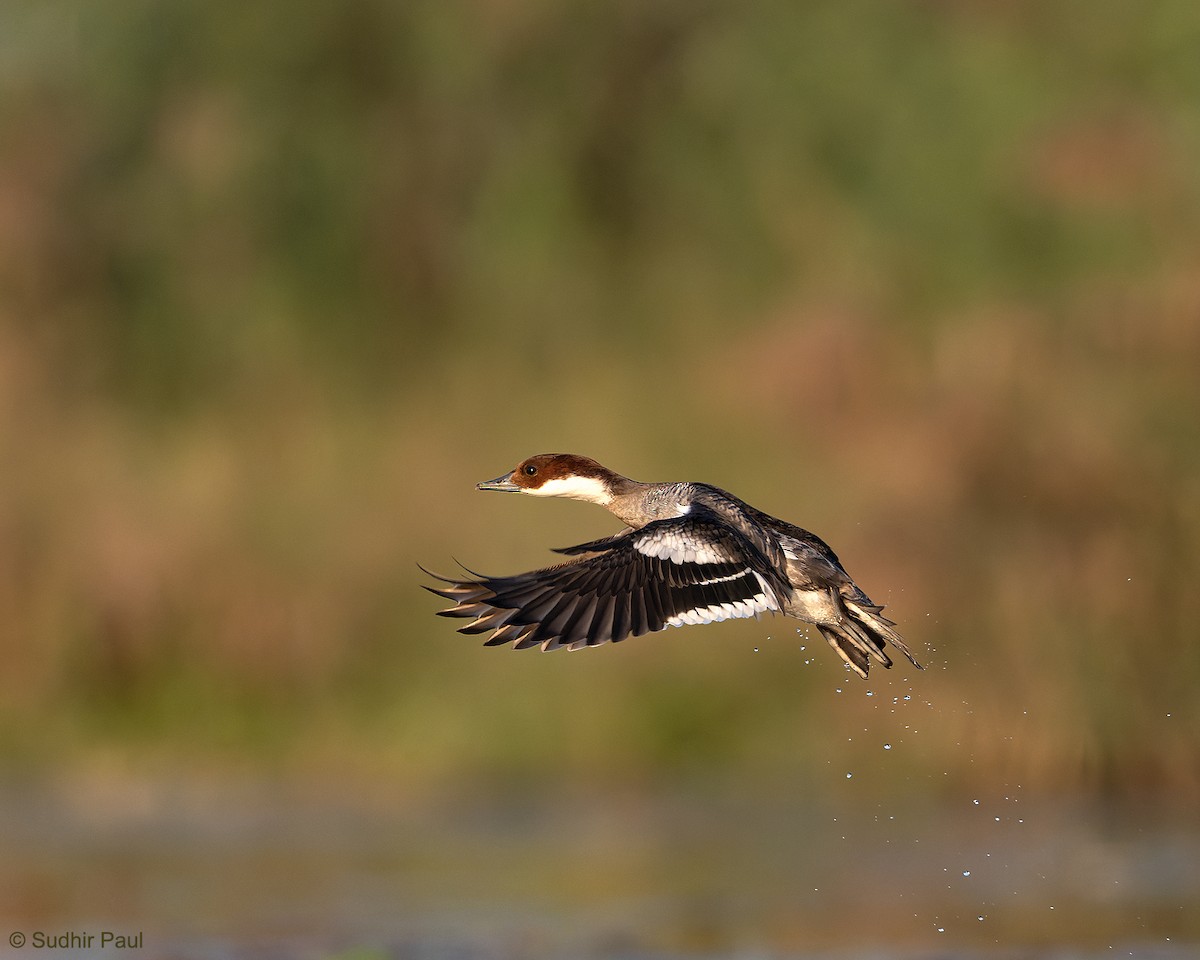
x,y
573,488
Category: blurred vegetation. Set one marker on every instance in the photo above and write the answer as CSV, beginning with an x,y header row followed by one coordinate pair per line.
x,y
278,284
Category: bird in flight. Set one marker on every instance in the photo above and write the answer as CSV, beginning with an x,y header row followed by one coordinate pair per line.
x,y
690,553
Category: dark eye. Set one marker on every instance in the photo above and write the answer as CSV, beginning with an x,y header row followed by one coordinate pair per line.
x,y
529,470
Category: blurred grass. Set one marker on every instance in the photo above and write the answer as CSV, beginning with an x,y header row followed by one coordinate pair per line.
x,y
276,288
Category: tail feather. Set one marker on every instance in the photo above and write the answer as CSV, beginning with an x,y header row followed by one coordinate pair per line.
x,y
869,615
861,634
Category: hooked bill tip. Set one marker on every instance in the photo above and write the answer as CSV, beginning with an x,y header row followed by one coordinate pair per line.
x,y
504,484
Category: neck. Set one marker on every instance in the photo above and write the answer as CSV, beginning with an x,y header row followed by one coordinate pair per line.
x,y
630,504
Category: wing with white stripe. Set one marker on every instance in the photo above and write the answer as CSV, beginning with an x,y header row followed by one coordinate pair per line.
x,y
685,570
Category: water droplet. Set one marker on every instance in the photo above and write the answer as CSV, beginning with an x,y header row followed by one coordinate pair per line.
x,y
966,873
849,775
887,746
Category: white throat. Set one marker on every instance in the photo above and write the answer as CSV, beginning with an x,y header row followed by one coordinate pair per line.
x,y
574,488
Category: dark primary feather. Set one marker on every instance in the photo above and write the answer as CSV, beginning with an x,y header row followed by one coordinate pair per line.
x,y
614,590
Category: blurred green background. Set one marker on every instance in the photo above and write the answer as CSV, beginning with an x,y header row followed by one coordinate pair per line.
x,y
280,283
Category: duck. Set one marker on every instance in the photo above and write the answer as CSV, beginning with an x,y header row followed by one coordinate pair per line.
x,y
690,553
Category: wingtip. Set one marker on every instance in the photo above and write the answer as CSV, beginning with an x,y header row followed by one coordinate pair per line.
x,y
436,576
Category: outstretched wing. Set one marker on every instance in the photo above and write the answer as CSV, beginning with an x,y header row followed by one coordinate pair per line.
x,y
690,569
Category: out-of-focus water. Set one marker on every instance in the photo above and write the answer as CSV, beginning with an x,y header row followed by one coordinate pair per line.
x,y
265,871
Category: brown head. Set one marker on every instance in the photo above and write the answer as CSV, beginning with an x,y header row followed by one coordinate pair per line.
x,y
558,475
